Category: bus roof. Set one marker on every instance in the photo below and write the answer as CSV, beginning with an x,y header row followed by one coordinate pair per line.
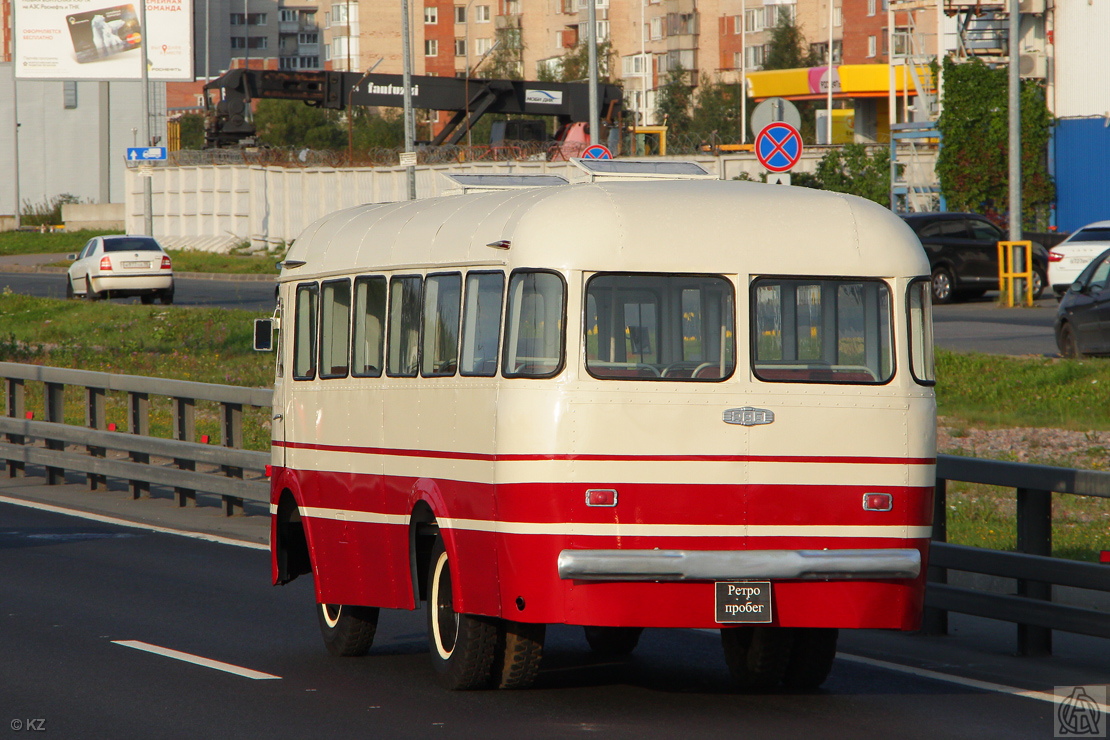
x,y
699,226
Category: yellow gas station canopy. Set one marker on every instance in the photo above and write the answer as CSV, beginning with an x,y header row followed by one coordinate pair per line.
x,y
848,81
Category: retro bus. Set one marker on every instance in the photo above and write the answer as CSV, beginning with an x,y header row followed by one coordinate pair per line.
x,y
619,404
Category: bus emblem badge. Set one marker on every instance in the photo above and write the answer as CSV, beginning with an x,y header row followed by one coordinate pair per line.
x,y
748,416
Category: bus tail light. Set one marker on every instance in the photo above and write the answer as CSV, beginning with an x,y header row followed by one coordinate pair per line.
x,y
878,502
601,497
106,263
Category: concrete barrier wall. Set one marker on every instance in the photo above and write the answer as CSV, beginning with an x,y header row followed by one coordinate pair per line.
x,y
77,216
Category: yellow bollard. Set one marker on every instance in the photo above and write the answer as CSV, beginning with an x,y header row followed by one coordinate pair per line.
x,y
1006,272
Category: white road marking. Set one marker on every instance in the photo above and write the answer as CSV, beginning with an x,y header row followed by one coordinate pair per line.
x,y
196,660
135,525
970,682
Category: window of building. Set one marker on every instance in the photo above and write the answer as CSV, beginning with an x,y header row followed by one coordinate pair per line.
x,y
308,38
369,330
871,7
460,47
481,46
340,12
335,328
404,326
656,28
482,323
737,24
304,333
431,15
481,14
819,330
460,14
753,56
442,300
288,16
871,46
431,47
838,17
534,325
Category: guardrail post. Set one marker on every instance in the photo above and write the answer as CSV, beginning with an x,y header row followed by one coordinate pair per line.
x,y
1034,536
96,417
935,621
233,437
140,424
16,400
184,429
54,404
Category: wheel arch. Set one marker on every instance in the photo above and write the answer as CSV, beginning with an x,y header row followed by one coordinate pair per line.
x,y
291,552
423,531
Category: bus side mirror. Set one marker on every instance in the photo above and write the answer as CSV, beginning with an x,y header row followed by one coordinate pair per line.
x,y
264,335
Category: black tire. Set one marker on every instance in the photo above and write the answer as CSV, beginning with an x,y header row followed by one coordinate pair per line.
x,y
757,657
90,294
462,646
166,297
1040,280
613,641
348,631
519,654
811,658
146,299
943,285
1068,344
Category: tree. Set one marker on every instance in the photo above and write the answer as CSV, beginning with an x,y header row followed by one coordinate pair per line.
x,y
673,102
574,65
973,162
385,130
507,60
716,113
191,128
787,48
851,169
291,123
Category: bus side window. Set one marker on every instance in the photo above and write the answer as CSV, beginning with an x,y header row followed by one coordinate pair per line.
x,y
335,328
304,333
440,351
534,325
404,326
482,322
369,326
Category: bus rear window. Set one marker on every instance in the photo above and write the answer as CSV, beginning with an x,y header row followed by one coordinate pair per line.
x,y
534,325
659,327
813,330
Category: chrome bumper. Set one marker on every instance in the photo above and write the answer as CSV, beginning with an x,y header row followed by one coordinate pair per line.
x,y
732,565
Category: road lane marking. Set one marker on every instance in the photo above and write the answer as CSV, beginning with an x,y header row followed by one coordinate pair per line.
x,y
196,660
135,525
970,682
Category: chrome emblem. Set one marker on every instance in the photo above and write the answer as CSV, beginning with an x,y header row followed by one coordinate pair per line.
x,y
748,416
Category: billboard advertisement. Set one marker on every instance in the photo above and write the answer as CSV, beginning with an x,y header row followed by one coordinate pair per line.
x,y
96,40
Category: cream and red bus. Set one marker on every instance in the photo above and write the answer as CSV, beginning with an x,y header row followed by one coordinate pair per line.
x,y
618,404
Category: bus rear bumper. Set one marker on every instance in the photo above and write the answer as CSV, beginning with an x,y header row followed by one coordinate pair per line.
x,y
731,565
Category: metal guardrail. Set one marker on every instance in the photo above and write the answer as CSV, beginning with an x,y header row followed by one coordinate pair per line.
x,y
1032,565
144,460
182,463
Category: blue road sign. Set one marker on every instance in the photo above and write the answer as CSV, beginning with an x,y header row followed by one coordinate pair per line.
x,y
778,147
145,153
597,151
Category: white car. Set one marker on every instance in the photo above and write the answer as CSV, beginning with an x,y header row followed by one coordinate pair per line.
x,y
1068,258
121,266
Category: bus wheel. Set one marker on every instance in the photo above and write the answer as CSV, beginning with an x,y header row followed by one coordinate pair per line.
x,y
757,656
462,646
348,631
811,658
613,641
519,654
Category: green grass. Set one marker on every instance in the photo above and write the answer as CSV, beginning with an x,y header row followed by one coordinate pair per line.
x,y
32,242
193,261
1000,391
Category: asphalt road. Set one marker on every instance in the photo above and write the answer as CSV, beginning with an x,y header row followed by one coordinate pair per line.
x,y
73,590
979,326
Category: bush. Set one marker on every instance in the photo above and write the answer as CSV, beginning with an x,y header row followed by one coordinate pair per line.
x,y
48,212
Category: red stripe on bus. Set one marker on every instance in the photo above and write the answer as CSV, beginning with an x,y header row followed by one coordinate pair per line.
x,y
483,457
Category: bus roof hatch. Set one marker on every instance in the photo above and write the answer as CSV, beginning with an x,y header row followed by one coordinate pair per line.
x,y
643,169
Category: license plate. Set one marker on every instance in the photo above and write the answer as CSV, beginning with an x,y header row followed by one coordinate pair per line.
x,y
743,602
137,264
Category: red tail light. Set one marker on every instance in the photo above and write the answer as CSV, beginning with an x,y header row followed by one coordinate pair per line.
x,y
1055,256
166,264
106,263
878,502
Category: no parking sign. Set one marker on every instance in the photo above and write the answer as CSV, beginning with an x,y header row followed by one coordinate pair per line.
x,y
778,147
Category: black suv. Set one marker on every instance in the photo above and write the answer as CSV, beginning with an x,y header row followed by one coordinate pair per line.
x,y
963,254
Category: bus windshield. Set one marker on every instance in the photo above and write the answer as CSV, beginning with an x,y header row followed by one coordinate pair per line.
x,y
660,327
820,330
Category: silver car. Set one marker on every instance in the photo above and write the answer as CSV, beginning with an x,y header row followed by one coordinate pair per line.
x,y
121,266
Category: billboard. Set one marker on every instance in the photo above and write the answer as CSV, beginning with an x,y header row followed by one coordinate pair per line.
x,y
96,40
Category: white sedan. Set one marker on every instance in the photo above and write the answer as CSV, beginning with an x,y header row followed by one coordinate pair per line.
x,y
1068,258
121,266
